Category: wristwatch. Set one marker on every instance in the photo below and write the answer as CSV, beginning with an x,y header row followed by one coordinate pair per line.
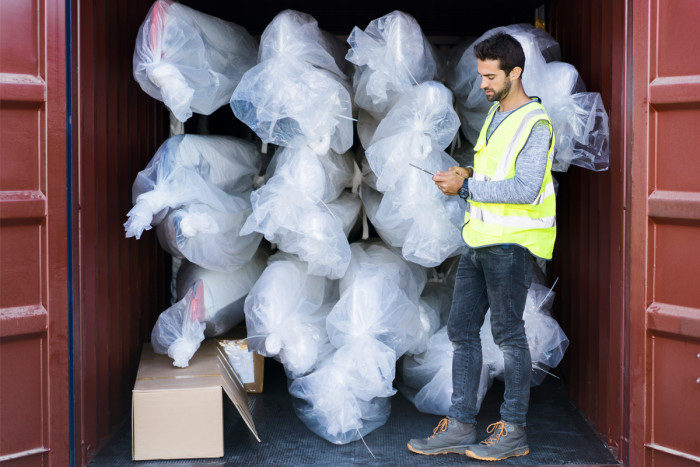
x,y
464,191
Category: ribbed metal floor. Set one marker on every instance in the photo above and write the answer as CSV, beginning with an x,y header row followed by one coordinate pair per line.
x,y
557,435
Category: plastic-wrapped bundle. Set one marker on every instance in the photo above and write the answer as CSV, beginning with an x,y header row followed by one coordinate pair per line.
x,y
325,402
313,177
319,237
297,34
297,211
180,329
415,131
391,55
285,314
223,292
189,60
288,102
209,237
422,231
419,125
373,303
546,338
427,378
191,169
579,119
297,95
373,255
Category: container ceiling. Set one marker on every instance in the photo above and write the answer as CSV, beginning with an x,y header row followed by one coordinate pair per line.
x,y
458,18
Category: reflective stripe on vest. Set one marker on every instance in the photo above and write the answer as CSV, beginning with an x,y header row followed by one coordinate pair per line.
x,y
530,225
520,222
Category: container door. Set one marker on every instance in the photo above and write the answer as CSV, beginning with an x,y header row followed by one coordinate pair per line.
x,y
34,395
665,235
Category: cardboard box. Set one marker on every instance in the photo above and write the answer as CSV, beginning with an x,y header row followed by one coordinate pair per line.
x,y
249,366
177,413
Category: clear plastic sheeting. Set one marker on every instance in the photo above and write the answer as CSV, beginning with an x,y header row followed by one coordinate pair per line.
x,y
579,119
290,103
374,305
297,95
304,211
209,237
391,55
179,330
412,213
426,379
190,61
285,314
192,169
324,400
224,292
375,321
297,34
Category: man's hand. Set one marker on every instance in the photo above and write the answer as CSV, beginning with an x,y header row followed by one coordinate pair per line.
x,y
450,181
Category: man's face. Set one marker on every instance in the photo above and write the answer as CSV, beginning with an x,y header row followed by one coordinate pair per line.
x,y
494,81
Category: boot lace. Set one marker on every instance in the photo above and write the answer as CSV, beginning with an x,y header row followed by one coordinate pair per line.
x,y
497,431
440,428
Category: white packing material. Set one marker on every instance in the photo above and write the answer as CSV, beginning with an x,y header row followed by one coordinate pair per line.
x,y
374,322
304,211
285,314
291,103
427,378
324,400
579,118
224,292
317,178
190,61
179,330
373,302
297,34
188,169
319,237
391,55
209,237
374,255
418,217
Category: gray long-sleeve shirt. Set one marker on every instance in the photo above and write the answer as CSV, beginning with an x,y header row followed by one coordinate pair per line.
x,y
529,169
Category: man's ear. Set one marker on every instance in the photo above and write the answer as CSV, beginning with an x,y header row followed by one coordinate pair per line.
x,y
515,73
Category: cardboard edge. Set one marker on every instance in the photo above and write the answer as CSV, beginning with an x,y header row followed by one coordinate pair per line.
x,y
234,389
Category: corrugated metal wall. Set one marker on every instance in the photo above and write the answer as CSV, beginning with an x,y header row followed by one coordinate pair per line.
x,y
121,285
589,258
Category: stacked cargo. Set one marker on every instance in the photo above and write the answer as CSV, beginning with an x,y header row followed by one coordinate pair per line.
x,y
338,311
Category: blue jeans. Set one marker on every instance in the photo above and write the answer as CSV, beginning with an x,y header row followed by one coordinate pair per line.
x,y
496,276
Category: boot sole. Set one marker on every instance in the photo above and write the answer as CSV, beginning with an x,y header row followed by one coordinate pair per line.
x,y
453,450
515,453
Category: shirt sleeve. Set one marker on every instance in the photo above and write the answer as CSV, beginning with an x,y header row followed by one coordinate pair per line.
x,y
530,167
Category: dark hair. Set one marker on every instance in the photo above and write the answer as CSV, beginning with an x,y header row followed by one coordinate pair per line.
x,y
502,47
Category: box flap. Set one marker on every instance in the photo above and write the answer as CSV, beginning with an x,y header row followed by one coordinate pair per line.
x,y
234,389
209,367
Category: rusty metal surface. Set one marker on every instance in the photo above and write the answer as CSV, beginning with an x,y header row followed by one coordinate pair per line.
x,y
34,414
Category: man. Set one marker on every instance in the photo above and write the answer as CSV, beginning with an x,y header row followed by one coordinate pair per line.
x,y
510,221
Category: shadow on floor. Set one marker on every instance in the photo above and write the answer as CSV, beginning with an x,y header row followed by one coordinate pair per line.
x,y
557,435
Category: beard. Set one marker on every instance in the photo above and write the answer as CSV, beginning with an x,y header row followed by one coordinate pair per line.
x,y
500,95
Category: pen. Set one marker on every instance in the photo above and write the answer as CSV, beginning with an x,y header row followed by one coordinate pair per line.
x,y
421,168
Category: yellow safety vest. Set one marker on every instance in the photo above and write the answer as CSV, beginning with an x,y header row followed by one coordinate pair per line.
x,y
530,225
